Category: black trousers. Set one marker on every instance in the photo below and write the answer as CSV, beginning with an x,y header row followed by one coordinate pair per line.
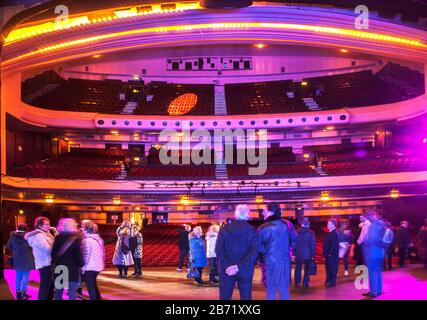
x,y
213,268
138,265
183,253
92,287
298,271
123,270
402,255
46,284
388,259
331,264
227,284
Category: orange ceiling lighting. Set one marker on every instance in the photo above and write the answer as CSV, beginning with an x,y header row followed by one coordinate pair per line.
x,y
109,15
260,45
182,104
404,42
343,50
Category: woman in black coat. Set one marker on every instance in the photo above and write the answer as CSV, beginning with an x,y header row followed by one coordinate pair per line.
x,y
23,260
67,259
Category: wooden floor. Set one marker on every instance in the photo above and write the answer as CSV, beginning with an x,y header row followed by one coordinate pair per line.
x,y
167,284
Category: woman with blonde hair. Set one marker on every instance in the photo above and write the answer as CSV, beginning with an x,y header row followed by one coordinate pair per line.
x,y
93,256
122,255
197,253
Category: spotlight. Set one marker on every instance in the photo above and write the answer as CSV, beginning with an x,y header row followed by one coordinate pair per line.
x,y
343,50
260,45
394,194
324,196
49,198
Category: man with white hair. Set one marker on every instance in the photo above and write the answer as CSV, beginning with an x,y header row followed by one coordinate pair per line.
x,y
237,249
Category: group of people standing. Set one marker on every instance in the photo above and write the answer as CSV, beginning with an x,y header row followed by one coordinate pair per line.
x,y
64,256
233,249
238,246
128,251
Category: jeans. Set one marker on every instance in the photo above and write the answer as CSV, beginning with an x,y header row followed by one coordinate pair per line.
x,y
183,253
46,285
346,259
21,281
375,275
199,278
283,293
227,284
72,291
138,265
92,287
298,271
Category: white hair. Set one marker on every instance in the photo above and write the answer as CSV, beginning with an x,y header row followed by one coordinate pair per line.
x,y
242,212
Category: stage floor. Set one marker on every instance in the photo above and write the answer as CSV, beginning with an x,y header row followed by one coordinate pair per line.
x,y
408,283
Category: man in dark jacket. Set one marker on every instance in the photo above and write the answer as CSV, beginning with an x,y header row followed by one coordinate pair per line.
x,y
23,260
184,246
277,237
402,241
331,254
67,259
305,250
237,249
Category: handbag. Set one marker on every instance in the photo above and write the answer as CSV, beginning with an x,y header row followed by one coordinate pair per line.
x,y
312,268
193,273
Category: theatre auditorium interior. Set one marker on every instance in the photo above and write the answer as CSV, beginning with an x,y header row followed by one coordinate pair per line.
x,y
311,105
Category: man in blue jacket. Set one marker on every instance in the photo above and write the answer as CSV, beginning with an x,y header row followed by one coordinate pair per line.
x,y
237,249
373,253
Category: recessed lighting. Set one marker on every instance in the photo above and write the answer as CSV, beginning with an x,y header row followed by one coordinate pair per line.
x,y
260,45
324,196
96,56
343,50
304,83
330,128
115,132
394,193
